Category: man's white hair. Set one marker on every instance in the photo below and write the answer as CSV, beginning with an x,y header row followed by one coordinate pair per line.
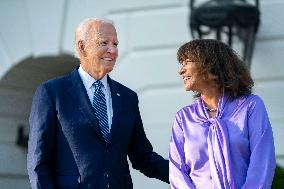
x,y
82,31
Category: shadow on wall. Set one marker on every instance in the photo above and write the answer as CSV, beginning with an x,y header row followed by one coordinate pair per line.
x,y
30,72
21,81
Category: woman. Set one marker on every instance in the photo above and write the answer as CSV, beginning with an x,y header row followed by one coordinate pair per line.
x,y
224,139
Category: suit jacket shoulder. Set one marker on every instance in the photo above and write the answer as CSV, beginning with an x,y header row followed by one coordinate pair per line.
x,y
123,89
58,82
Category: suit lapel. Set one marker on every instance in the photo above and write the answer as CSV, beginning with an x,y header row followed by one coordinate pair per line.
x,y
116,105
79,95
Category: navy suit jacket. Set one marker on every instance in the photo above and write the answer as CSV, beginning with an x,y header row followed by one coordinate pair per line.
x,y
66,148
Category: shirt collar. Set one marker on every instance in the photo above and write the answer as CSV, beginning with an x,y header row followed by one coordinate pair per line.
x,y
89,80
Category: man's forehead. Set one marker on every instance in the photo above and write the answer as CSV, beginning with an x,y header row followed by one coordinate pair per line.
x,y
103,29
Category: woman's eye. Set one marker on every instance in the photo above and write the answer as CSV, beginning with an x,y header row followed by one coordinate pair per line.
x,y
184,63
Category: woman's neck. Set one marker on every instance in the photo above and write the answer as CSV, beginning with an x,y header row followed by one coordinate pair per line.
x,y
211,97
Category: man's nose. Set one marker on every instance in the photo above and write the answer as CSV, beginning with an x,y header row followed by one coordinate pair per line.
x,y
112,49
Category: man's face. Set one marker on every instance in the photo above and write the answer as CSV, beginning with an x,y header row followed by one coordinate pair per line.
x,y
100,50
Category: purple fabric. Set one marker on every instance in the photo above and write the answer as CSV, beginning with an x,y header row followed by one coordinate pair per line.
x,y
233,150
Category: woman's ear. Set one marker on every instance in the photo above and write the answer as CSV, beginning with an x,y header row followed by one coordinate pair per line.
x,y
211,77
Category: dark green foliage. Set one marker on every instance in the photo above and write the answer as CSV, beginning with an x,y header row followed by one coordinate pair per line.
x,y
278,180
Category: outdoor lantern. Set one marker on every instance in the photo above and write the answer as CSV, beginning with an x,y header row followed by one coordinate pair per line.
x,y
226,19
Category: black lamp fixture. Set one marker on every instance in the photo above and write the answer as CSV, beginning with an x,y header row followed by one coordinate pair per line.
x,y
226,19
22,138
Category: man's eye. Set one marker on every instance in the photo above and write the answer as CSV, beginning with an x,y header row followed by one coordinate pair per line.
x,y
115,44
103,43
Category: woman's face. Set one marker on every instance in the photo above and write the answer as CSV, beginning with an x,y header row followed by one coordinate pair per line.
x,y
192,78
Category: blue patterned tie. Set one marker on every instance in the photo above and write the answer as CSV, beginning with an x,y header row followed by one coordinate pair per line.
x,y
99,104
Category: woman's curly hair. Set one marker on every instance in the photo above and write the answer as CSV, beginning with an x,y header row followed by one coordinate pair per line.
x,y
216,58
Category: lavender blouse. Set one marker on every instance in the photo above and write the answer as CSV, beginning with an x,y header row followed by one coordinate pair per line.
x,y
233,150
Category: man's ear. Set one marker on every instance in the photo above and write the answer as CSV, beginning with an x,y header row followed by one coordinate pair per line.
x,y
81,47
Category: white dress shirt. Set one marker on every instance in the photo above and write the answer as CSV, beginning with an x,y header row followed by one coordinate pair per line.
x,y
88,83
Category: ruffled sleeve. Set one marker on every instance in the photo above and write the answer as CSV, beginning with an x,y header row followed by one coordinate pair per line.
x,y
262,160
178,170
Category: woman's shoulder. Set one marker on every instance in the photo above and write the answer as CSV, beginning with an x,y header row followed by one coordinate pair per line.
x,y
188,108
251,100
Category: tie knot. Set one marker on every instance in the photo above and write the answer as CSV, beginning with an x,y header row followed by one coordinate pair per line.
x,y
98,84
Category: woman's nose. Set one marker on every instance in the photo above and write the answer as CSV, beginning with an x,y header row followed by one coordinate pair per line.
x,y
181,70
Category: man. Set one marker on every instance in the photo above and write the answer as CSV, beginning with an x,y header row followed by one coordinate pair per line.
x,y
83,125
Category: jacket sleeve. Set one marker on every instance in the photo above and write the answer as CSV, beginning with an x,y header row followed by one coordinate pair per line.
x,y
179,170
262,159
41,139
141,153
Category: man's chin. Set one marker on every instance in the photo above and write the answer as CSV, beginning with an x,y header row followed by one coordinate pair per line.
x,y
108,66
108,69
